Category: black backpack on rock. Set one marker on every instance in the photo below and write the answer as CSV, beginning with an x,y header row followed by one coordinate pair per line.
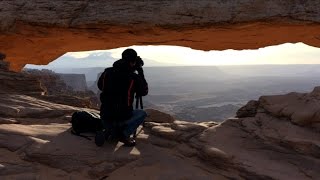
x,y
85,122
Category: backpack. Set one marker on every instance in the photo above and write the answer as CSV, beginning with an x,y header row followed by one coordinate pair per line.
x,y
117,94
85,122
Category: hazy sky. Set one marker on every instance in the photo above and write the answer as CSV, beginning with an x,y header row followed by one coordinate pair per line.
x,y
298,53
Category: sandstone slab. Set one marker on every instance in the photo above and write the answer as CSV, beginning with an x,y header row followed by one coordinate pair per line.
x,y
158,117
260,147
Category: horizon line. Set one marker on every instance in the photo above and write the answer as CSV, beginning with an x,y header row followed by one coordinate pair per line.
x,y
175,66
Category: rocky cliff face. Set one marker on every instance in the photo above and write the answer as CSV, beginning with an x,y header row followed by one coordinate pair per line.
x,y
50,81
37,32
76,81
57,90
12,82
36,143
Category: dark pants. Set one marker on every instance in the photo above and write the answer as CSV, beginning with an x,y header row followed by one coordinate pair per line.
x,y
128,127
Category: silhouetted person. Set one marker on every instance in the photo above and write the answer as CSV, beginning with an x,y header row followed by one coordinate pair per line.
x,y
119,85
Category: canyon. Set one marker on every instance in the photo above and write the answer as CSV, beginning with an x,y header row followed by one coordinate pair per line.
x,y
281,130
274,137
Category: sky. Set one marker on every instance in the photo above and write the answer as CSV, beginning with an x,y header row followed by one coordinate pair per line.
x,y
287,53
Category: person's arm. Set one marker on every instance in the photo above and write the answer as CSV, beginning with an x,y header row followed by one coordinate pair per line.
x,y
142,85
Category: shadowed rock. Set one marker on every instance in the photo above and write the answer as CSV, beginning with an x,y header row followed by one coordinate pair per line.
x,y
260,147
4,66
249,110
12,82
300,108
159,117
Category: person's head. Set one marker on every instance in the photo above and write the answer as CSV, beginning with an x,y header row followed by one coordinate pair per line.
x,y
130,56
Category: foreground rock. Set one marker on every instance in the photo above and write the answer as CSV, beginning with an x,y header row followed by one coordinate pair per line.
x,y
12,82
26,109
36,143
299,108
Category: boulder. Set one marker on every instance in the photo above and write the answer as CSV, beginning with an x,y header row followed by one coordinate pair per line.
x,y
249,110
300,108
158,117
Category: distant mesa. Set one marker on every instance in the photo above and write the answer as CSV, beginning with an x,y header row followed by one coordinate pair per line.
x,y
76,81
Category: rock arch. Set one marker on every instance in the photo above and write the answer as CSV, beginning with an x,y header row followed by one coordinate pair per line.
x,y
37,32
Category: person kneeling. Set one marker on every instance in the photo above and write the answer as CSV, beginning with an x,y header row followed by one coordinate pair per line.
x,y
119,85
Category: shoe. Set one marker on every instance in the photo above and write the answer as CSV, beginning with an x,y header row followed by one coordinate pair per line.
x,y
99,138
127,141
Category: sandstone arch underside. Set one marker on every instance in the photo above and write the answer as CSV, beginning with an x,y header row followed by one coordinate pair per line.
x,y
39,31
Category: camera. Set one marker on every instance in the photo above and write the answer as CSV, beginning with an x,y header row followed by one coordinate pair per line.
x,y
139,62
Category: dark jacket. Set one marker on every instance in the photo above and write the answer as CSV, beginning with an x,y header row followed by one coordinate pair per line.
x,y
119,85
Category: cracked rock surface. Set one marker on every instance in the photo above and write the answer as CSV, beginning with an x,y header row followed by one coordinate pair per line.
x,y
36,143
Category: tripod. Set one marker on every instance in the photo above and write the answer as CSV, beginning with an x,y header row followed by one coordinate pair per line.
x,y
139,99
138,102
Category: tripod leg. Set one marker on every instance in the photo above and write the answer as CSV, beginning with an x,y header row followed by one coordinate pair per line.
x,y
138,98
135,134
137,102
141,103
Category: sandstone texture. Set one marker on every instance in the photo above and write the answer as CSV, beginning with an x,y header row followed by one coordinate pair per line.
x,y
64,88
36,143
13,82
299,108
50,81
249,110
39,31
